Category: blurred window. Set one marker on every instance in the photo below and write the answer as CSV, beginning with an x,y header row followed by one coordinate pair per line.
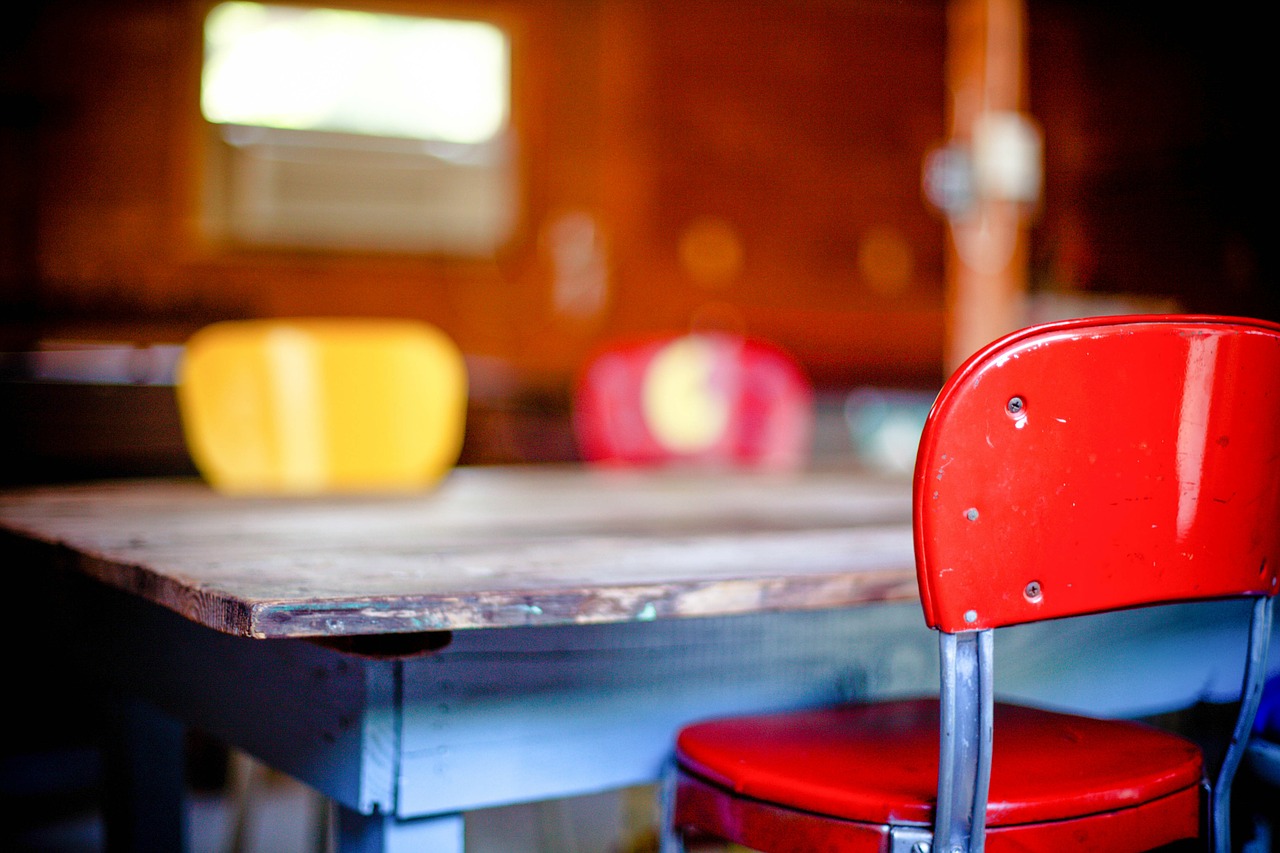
x,y
330,128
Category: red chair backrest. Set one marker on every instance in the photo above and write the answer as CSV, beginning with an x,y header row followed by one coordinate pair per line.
x,y
1100,464
701,398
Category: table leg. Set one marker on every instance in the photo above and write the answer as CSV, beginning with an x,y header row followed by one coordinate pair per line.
x,y
377,833
144,779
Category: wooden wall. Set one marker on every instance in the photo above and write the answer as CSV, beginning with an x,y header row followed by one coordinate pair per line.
x,y
790,131
1156,121
793,131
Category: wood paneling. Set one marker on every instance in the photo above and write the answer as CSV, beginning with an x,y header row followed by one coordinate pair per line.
x,y
1155,170
795,127
799,125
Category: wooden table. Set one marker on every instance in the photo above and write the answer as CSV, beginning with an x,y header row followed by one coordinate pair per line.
x,y
491,547
516,634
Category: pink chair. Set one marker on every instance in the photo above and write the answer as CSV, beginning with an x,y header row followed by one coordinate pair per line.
x,y
699,399
1072,468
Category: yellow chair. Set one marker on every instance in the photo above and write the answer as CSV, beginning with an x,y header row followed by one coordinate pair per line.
x,y
322,405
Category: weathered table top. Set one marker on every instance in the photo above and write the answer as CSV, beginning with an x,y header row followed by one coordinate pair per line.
x,y
489,547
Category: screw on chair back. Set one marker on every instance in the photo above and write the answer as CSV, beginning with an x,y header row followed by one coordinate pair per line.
x,y
1088,466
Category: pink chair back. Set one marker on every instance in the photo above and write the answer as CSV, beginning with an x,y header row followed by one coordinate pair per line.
x,y
705,398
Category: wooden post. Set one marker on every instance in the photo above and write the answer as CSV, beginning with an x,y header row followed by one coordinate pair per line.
x,y
987,253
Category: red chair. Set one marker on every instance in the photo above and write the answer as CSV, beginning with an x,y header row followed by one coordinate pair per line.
x,y
1076,467
706,398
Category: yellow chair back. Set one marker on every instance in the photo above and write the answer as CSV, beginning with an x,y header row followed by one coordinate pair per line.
x,y
322,405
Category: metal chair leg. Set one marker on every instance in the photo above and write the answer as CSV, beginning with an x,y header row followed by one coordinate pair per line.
x,y
669,840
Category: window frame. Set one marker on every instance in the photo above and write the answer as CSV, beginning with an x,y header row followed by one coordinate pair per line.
x,y
209,231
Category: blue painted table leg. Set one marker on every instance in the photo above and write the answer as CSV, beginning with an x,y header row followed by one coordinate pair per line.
x,y
377,833
143,779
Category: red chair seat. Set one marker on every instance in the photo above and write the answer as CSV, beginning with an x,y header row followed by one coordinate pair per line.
x,y
878,763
